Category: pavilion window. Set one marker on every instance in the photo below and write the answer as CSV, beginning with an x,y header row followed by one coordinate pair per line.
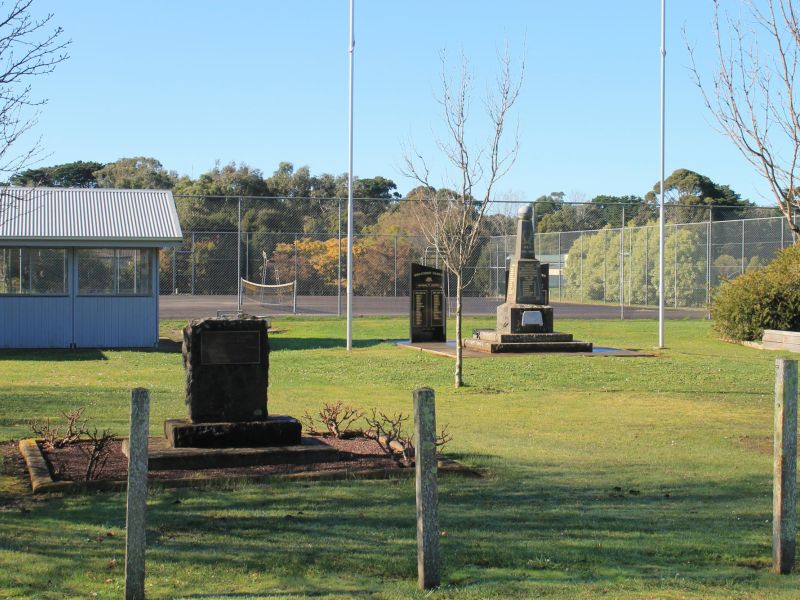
x,y
33,271
114,271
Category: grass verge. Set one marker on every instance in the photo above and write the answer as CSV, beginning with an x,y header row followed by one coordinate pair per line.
x,y
629,477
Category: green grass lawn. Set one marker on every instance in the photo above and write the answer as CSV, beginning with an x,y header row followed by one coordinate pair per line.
x,y
623,477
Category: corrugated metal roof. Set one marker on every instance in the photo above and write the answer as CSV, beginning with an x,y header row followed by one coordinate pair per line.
x,y
73,215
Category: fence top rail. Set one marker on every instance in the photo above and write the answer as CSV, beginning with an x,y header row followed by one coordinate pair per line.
x,y
640,205
404,236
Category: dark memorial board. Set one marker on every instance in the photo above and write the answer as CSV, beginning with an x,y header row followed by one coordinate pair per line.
x,y
428,304
230,348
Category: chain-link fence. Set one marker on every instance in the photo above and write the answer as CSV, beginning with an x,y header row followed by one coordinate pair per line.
x,y
598,253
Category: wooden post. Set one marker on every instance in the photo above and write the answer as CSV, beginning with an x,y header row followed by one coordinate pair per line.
x,y
428,562
784,486
137,495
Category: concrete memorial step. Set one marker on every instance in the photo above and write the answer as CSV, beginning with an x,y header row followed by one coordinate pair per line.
x,y
273,431
481,345
162,456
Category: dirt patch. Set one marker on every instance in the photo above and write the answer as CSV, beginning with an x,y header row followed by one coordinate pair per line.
x,y
760,444
357,454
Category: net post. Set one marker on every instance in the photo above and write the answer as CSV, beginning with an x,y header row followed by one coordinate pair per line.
x,y
294,298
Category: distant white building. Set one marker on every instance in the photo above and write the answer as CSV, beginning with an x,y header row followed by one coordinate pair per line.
x,y
79,267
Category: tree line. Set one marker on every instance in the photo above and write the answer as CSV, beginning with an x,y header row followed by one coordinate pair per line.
x,y
302,200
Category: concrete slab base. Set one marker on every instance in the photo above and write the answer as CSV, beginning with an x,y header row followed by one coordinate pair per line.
x,y
162,456
448,350
492,341
495,347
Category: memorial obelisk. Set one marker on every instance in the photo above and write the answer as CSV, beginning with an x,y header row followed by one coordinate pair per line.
x,y
525,319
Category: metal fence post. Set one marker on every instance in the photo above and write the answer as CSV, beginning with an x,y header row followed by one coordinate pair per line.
x,y
581,271
605,260
630,266
708,260
395,266
339,276
174,274
622,265
675,267
295,259
742,246
561,278
193,261
646,265
496,269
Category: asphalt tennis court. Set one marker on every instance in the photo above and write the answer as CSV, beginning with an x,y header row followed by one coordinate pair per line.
x,y
196,307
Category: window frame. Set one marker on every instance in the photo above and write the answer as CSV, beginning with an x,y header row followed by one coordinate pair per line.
x,y
30,293
141,255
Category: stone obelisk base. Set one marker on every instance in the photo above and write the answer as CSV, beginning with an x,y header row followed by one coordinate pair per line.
x,y
524,328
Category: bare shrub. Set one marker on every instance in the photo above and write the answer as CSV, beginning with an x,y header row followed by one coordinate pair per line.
x,y
96,449
75,428
443,439
51,434
42,428
96,445
337,419
390,435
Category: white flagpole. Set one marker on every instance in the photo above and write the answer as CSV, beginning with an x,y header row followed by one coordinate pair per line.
x,y
351,50
661,203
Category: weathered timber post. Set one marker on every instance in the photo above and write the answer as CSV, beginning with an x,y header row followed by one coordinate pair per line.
x,y
784,486
137,495
428,560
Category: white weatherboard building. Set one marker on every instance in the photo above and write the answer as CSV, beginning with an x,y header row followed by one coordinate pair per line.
x,y
79,267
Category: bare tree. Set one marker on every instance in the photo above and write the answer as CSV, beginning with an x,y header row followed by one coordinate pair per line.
x,y
752,95
450,218
28,48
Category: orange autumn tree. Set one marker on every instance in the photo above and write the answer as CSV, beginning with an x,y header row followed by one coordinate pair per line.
x,y
315,264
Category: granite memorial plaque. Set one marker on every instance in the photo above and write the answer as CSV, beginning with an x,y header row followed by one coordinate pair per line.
x,y
230,348
227,365
428,304
227,373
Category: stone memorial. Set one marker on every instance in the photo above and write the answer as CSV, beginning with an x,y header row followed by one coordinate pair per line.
x,y
525,319
428,321
227,373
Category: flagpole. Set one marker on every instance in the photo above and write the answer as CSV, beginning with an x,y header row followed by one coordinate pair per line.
x,y
661,203
351,50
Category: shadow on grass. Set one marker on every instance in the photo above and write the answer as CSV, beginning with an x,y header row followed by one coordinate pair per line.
x,y
57,355
290,343
501,535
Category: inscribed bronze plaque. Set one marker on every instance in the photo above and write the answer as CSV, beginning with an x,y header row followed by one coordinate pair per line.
x,y
428,309
230,348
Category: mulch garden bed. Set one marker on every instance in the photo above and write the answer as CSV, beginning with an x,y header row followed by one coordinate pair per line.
x,y
357,454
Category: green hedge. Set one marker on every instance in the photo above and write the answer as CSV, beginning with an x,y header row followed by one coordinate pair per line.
x,y
769,298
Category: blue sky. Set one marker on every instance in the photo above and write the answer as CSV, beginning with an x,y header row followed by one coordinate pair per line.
x,y
264,81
